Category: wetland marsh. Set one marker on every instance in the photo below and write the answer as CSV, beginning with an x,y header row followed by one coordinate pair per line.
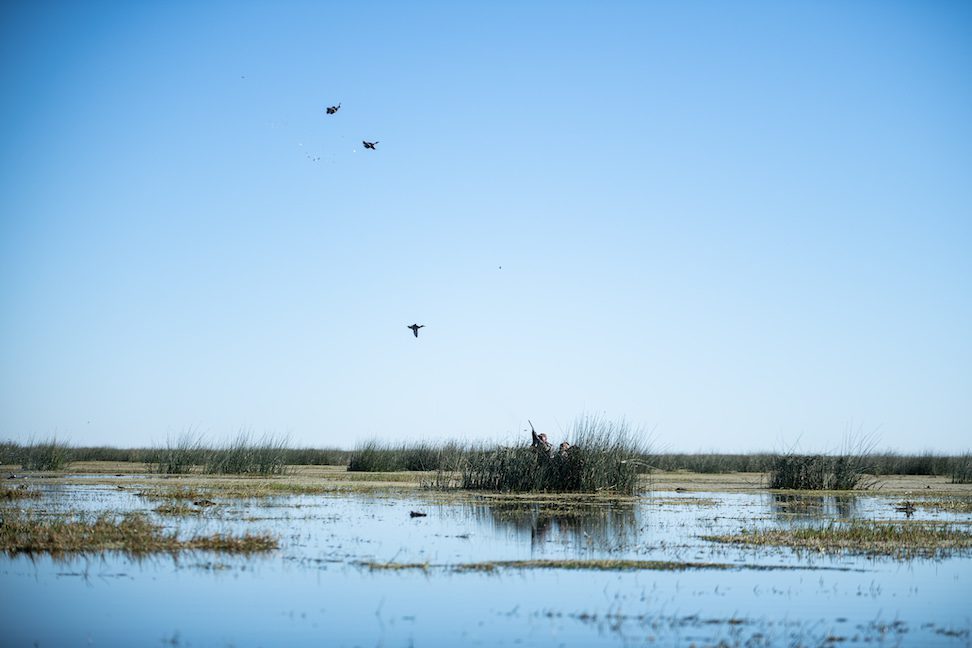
x,y
349,565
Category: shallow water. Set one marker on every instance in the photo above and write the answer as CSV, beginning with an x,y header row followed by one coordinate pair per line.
x,y
314,589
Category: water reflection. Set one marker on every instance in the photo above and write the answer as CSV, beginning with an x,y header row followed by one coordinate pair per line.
x,y
314,586
594,527
802,507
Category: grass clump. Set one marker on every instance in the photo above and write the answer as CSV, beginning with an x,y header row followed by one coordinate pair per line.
x,y
44,455
603,456
375,456
868,538
19,493
426,456
245,456
179,455
845,470
131,534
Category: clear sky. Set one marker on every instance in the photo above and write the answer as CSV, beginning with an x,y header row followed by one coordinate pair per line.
x,y
739,224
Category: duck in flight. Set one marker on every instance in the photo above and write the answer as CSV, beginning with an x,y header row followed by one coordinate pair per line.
x,y
333,109
370,145
415,328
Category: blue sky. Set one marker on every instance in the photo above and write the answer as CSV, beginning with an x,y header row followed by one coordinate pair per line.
x,y
739,225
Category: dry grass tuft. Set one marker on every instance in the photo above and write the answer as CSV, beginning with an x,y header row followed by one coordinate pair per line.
x,y
131,534
908,540
19,493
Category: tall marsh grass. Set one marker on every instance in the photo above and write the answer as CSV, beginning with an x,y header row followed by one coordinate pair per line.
x,y
45,455
179,455
375,456
604,456
246,456
846,470
961,472
714,462
316,456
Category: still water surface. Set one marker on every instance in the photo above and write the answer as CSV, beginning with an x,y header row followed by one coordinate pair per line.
x,y
314,590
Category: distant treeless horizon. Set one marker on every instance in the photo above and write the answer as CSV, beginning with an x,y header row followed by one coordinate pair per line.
x,y
739,226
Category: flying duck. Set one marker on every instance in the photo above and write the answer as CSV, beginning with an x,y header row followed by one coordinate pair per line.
x,y
333,109
370,145
415,328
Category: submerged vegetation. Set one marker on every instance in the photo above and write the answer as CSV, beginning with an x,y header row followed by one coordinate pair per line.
x,y
132,533
943,504
904,540
607,564
177,509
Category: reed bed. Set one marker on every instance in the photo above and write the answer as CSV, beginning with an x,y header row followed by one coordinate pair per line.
x,y
111,453
46,455
846,470
376,456
925,463
132,534
714,462
316,456
961,471
189,453
179,455
373,456
816,472
245,456
604,456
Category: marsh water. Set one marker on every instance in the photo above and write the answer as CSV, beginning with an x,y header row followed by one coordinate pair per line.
x,y
328,583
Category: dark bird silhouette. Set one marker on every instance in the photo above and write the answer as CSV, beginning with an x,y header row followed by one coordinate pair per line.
x,y
416,514
333,109
370,145
908,508
415,328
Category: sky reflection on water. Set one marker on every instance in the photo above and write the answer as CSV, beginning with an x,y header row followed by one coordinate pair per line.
x,y
314,591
